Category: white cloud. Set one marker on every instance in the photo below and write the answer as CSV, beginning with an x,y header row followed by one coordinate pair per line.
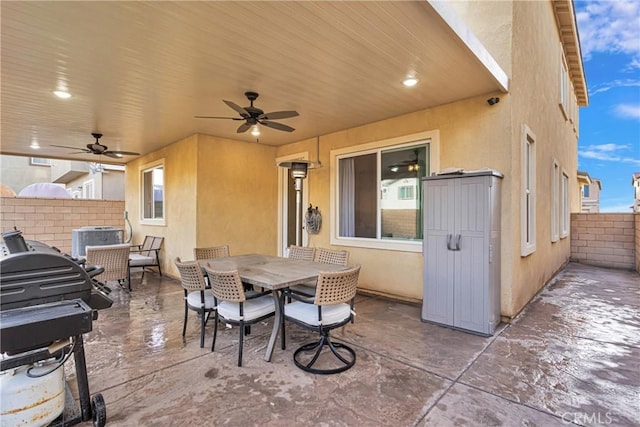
x,y
628,111
615,84
611,153
609,27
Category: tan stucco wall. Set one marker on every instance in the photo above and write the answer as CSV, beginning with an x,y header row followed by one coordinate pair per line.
x,y
472,136
237,197
218,191
535,90
181,194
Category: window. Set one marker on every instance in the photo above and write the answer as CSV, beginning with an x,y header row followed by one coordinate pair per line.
x,y
407,192
39,161
555,201
528,200
377,192
564,196
564,88
585,191
152,181
88,190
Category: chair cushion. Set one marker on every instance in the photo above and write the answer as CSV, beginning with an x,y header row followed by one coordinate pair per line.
x,y
193,299
308,313
253,308
137,260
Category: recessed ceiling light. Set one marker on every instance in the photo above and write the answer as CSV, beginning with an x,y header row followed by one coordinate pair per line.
x,y
62,94
410,81
34,146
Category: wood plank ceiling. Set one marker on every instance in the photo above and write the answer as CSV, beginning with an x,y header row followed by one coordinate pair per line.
x,y
139,71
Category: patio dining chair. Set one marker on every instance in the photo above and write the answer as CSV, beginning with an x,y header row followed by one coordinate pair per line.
x,y
115,261
233,306
196,296
331,308
326,256
211,252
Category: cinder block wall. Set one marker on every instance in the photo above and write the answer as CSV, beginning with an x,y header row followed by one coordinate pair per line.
x,y
51,220
606,240
637,221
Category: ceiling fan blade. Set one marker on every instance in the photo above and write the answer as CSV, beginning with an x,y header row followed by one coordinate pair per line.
x,y
123,153
278,115
243,127
84,150
276,125
239,109
112,154
212,117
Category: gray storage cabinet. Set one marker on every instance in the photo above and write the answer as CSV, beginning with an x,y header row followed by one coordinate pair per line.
x,y
462,251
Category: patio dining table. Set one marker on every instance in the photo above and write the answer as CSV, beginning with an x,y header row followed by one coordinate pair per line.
x,y
274,273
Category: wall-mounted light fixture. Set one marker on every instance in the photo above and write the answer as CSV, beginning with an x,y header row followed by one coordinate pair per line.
x,y
493,101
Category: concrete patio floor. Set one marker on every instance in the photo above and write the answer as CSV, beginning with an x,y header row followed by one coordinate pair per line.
x,y
571,357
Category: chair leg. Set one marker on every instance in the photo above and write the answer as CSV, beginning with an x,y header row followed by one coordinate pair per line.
x,y
159,269
202,325
142,278
325,340
240,343
184,324
129,279
215,332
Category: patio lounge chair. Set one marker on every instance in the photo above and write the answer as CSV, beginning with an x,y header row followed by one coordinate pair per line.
x,y
146,255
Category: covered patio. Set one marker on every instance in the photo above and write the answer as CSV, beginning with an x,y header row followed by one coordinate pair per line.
x,y
570,357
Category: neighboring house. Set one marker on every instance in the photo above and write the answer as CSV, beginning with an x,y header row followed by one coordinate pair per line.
x,y
82,180
206,190
635,182
589,193
17,172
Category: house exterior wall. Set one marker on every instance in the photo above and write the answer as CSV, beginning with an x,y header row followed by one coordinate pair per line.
x,y
590,203
51,220
17,172
237,196
217,191
108,185
605,240
181,195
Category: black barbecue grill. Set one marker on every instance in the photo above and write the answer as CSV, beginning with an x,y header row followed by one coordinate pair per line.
x,y
48,300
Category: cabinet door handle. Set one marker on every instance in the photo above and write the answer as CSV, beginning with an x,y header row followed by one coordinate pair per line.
x,y
458,238
449,242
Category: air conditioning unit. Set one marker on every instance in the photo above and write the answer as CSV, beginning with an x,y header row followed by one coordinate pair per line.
x,y
93,236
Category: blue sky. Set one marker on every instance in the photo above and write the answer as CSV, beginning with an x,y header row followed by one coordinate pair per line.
x,y
609,144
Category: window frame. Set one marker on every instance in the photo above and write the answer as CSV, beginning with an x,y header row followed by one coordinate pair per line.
x,y
564,87
528,193
142,170
555,202
565,207
39,161
430,138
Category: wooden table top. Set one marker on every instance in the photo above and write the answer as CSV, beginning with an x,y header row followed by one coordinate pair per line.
x,y
271,272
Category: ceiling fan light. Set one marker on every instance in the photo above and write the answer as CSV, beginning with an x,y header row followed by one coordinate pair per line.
x,y
255,130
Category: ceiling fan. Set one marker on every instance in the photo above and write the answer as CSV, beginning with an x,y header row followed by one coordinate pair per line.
x,y
253,116
99,149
